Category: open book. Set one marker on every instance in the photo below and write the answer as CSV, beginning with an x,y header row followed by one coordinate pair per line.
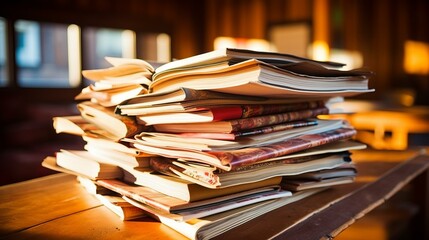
x,y
111,86
233,55
238,71
256,78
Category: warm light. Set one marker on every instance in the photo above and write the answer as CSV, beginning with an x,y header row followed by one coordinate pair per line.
x,y
416,57
247,43
352,59
163,47
128,44
320,51
74,62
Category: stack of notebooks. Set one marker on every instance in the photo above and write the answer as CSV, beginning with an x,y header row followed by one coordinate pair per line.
x,y
211,141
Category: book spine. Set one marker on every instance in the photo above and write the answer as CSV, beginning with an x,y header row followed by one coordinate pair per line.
x,y
266,120
248,156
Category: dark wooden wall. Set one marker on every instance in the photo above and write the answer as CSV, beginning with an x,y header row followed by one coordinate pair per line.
x,y
378,29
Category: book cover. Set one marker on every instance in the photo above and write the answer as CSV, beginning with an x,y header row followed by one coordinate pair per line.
x,y
215,208
250,132
234,54
302,184
112,95
213,178
237,125
182,95
225,112
231,159
272,135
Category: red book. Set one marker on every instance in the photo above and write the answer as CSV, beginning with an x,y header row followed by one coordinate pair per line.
x,y
224,113
237,125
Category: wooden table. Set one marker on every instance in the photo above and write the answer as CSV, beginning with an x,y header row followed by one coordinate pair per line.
x,y
57,207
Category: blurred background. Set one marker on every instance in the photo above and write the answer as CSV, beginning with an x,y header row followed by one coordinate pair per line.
x,y
45,44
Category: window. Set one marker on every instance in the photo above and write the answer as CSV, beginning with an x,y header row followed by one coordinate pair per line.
x,y
41,54
3,58
49,55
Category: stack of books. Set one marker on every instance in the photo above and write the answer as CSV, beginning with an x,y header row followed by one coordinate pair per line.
x,y
214,140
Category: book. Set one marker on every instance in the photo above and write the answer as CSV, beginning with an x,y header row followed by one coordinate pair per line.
x,y
87,164
184,189
105,118
185,94
247,138
248,132
301,184
236,125
125,79
92,188
110,96
214,225
190,100
300,71
120,67
230,159
77,125
153,201
169,204
345,170
118,158
341,174
213,178
218,207
234,54
107,144
225,112
256,78
125,210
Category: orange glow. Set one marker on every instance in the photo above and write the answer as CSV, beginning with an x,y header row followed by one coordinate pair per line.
x,y
320,51
416,57
248,43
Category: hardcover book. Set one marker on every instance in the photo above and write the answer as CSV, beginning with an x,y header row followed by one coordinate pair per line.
x,y
213,178
246,138
231,159
225,112
236,125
